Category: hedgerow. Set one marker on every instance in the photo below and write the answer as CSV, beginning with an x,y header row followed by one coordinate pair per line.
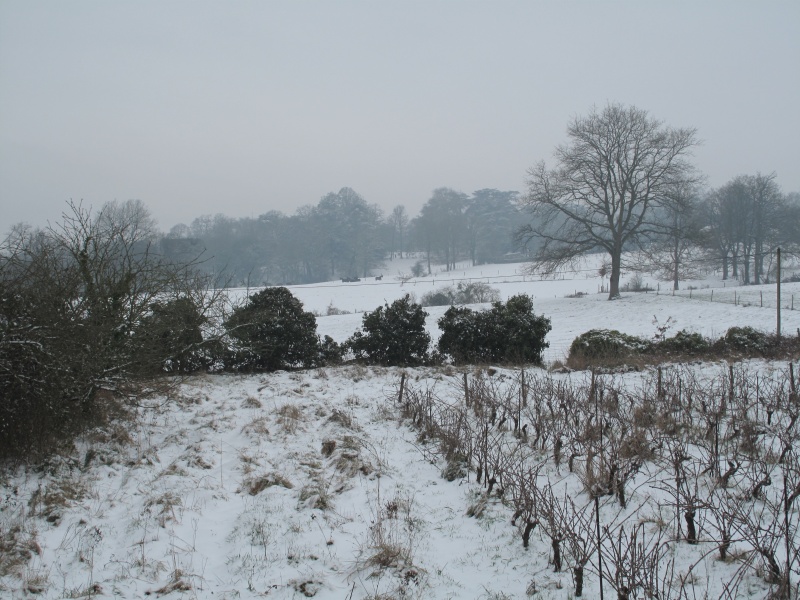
x,y
603,347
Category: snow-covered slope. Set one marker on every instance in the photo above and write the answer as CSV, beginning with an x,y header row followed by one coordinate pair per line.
x,y
311,484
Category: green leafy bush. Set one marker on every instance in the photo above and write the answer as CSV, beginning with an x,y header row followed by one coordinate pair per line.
x,y
507,333
392,335
330,352
272,331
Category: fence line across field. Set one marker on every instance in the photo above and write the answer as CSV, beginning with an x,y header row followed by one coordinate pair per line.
x,y
736,294
737,297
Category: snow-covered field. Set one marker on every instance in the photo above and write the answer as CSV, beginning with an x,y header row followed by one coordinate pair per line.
x,y
311,484
633,314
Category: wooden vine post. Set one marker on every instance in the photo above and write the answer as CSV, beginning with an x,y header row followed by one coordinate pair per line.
x,y
402,387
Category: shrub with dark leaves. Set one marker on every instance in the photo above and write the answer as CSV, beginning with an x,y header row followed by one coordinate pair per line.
x,y
272,331
684,342
170,338
392,335
506,333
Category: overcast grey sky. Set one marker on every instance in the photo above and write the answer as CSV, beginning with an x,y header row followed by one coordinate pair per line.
x,y
239,107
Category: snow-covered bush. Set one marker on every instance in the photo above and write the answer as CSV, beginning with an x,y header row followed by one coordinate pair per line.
x,y
636,284
419,269
87,308
392,335
462,293
605,344
746,339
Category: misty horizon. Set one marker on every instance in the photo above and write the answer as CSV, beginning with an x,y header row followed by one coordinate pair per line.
x,y
197,109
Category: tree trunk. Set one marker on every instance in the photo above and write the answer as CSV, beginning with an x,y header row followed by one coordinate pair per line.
x,y
675,276
746,261
613,280
725,268
759,262
428,253
676,259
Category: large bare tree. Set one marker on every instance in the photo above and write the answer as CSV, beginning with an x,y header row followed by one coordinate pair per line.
x,y
607,187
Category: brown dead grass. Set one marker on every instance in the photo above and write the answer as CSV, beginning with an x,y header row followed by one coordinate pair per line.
x,y
256,485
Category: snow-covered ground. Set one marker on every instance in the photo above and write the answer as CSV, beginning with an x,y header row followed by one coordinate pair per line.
x,y
310,484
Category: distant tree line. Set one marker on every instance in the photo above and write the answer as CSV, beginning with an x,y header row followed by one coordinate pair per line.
x,y
734,229
672,227
344,236
745,221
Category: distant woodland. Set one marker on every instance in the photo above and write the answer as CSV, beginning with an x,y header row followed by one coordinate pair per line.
x,y
734,230
344,236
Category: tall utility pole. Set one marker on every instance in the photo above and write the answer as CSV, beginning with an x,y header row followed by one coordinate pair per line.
x,y
779,295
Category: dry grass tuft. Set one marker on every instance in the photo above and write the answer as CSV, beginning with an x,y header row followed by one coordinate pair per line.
x,y
164,507
256,485
316,496
389,556
176,584
351,463
17,546
344,419
35,582
477,509
328,446
289,417
50,502
251,402
257,426
308,588
391,546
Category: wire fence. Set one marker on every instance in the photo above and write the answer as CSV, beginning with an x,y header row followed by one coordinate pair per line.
x,y
741,296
